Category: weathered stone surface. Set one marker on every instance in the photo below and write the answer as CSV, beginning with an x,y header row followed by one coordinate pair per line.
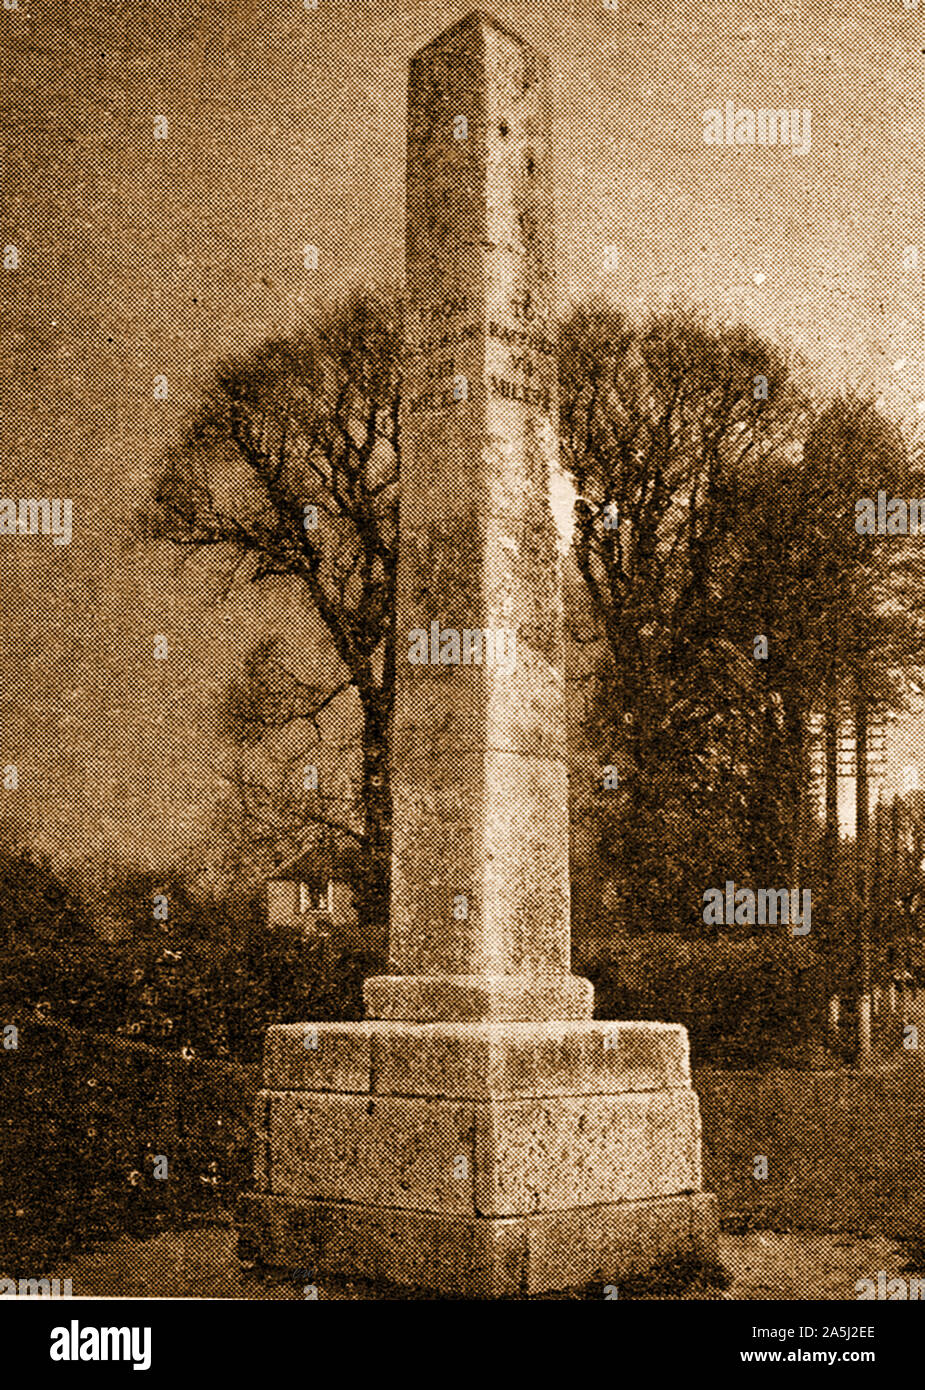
x,y
340,1060
386,1150
477,570
524,1059
480,882
493,1157
575,1151
479,774
478,998
705,1225
475,1257
652,1055
448,709
479,1134
428,1250
572,1248
477,1061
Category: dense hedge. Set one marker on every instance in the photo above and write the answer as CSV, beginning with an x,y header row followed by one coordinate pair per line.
x,y
208,980
211,999
127,1051
85,1119
746,1003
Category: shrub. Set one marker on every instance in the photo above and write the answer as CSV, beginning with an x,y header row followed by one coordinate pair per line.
x,y
87,1118
749,1002
34,903
209,981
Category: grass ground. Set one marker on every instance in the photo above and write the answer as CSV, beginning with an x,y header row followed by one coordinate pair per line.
x,y
201,1263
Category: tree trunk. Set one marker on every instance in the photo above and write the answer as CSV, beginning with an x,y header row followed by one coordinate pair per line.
x,y
830,849
802,785
376,801
834,1015
862,847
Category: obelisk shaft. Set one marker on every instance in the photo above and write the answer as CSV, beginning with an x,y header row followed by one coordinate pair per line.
x,y
480,883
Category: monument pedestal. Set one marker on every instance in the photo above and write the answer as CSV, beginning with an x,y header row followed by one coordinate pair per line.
x,y
477,1159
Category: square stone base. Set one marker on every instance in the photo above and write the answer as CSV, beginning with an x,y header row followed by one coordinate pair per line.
x,y
473,1256
481,1159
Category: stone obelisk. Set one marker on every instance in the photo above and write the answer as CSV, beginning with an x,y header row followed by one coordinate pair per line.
x,y
478,1134
480,895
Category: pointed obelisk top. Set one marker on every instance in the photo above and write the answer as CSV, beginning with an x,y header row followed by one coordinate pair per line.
x,y
475,19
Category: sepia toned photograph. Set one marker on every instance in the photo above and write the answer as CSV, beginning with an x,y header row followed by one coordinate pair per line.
x,y
462,664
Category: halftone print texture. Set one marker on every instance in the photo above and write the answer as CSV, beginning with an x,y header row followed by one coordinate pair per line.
x,y
462,666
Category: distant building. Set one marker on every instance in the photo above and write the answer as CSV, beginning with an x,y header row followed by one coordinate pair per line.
x,y
312,893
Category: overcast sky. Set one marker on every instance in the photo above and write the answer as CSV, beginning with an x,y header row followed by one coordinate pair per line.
x,y
287,128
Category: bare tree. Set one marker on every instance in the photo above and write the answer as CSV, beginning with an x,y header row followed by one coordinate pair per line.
x,y
290,468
